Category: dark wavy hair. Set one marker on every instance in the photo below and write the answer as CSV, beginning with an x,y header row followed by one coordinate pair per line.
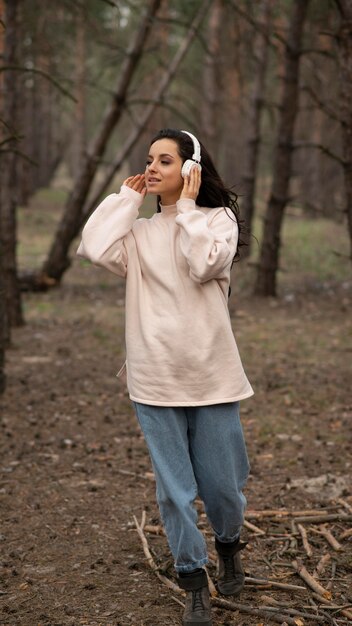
x,y
212,192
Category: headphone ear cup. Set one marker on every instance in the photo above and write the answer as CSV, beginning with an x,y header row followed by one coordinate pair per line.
x,y
187,166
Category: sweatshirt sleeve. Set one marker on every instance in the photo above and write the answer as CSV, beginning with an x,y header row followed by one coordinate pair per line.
x,y
104,235
208,241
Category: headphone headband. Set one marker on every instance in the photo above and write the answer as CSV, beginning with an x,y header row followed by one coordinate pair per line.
x,y
196,146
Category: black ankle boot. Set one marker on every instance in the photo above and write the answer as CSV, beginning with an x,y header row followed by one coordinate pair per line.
x,y
197,607
230,571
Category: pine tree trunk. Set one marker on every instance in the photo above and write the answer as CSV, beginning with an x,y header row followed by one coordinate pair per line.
x,y
210,102
266,280
58,261
344,41
79,142
261,52
3,325
8,176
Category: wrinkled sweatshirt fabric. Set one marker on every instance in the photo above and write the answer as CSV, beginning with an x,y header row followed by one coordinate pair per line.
x,y
180,347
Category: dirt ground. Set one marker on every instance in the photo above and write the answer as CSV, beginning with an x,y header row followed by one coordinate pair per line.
x,y
75,469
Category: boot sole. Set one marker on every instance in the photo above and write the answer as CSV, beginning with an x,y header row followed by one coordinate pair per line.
x,y
235,593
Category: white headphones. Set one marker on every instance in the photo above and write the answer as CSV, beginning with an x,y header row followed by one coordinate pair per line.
x,y
195,161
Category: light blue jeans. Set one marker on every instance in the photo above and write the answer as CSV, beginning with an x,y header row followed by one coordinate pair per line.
x,y
196,450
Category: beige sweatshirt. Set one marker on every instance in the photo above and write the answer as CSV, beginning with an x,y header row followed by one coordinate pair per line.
x,y
180,347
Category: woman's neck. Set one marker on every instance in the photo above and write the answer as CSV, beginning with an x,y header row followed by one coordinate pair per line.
x,y
169,199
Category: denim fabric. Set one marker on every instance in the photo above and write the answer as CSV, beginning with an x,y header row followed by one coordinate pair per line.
x,y
196,450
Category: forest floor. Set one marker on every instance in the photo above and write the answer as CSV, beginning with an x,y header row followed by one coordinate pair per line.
x,y
75,469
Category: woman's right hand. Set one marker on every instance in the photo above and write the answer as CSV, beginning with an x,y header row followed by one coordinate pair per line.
x,y
137,183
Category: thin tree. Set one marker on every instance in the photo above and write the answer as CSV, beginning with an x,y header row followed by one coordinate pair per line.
x,y
3,325
57,261
255,108
210,78
8,176
344,41
266,279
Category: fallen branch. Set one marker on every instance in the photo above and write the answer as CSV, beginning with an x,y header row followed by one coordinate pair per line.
x,y
273,583
311,582
272,613
150,560
282,513
154,530
329,517
328,605
320,568
346,533
329,538
254,528
344,504
306,544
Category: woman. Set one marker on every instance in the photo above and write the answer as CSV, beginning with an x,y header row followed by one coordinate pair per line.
x,y
184,373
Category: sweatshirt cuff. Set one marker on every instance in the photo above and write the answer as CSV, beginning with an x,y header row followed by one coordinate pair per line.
x,y
134,195
185,205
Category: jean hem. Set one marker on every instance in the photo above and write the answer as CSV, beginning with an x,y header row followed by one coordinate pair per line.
x,y
227,539
184,569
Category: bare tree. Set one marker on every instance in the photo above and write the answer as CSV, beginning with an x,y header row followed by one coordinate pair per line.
x,y
79,143
8,176
57,261
2,323
211,91
344,41
266,279
255,107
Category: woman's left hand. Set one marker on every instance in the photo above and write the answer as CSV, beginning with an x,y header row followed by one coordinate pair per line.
x,y
192,184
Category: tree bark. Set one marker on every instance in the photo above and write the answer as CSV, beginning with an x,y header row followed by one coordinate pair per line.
x,y
211,90
3,325
266,280
57,261
344,42
79,143
8,177
261,52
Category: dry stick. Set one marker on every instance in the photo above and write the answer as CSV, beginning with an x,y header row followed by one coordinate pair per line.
x,y
344,504
329,538
150,559
212,589
305,541
329,517
276,603
273,583
311,582
254,528
260,612
281,513
178,601
154,530
346,533
327,605
320,568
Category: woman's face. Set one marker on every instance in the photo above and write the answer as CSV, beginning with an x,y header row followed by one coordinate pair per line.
x,y
163,171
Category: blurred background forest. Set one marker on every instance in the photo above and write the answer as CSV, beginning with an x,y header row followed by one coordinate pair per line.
x,y
266,86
